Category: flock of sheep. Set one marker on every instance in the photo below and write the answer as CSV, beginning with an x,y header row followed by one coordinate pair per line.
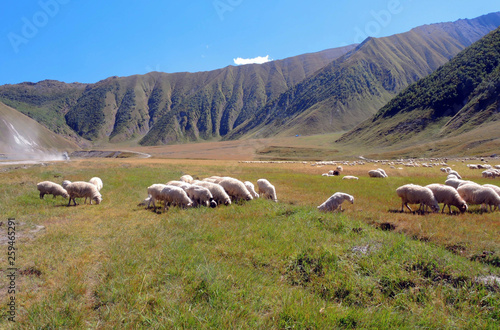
x,y
454,192
215,190
209,192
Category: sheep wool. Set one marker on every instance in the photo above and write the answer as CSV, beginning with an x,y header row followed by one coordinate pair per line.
x,y
153,193
172,195
334,202
376,174
187,178
200,196
415,194
83,189
96,182
251,188
475,194
448,196
65,183
51,188
236,189
267,189
219,194
350,177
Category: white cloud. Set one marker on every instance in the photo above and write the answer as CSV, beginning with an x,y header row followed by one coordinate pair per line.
x,y
256,60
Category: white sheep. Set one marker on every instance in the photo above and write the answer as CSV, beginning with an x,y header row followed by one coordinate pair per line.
x,y
454,182
376,174
83,189
181,184
251,189
267,189
415,194
153,192
453,172
349,177
96,182
236,189
172,195
214,179
448,196
383,172
492,186
200,196
65,183
335,201
475,194
187,178
51,188
340,168
218,193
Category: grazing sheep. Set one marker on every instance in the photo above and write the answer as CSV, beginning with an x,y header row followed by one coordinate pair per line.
x,y
453,182
383,172
267,189
251,189
236,189
96,182
200,196
181,184
415,194
187,178
153,193
218,193
350,177
65,183
214,179
83,189
172,195
51,188
453,172
448,196
475,194
335,201
492,186
376,174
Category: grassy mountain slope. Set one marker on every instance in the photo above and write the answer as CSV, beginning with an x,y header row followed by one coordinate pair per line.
x,y
459,97
159,107
356,85
21,134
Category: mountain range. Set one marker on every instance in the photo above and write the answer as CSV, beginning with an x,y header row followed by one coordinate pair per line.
x,y
329,91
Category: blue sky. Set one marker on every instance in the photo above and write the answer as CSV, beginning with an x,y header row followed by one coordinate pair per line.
x,y
86,41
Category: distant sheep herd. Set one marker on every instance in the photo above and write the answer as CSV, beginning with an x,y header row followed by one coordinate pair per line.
x,y
216,190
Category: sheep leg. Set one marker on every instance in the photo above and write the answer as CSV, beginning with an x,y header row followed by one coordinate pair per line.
x,y
405,204
41,195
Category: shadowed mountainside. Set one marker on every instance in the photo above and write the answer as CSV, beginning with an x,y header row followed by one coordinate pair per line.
x,y
460,97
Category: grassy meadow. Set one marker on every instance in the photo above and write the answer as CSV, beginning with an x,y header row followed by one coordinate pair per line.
x,y
257,264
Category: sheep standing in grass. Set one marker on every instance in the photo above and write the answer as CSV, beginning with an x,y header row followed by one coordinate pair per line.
x,y
448,196
181,184
200,196
454,182
383,172
492,186
376,174
267,189
96,182
251,189
415,194
218,193
83,189
172,195
51,188
349,177
335,201
153,193
236,189
187,178
475,194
